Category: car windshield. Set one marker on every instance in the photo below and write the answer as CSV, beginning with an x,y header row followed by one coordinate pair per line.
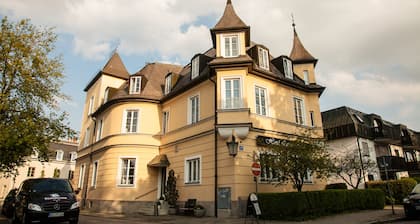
x,y
50,185
416,189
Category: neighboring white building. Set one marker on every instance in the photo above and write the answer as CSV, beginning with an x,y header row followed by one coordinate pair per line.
x,y
61,164
340,147
368,135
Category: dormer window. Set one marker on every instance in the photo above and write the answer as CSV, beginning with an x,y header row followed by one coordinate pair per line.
x,y
288,69
306,77
106,94
168,83
135,84
263,58
359,118
230,45
195,67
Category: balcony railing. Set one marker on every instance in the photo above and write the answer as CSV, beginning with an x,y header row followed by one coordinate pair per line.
x,y
392,163
411,166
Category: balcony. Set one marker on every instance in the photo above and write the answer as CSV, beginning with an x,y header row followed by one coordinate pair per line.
x,y
413,166
394,163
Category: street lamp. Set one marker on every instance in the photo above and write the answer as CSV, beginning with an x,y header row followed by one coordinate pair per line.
x,y
385,165
232,147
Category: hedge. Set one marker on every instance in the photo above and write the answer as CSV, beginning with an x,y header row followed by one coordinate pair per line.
x,y
336,186
311,204
399,188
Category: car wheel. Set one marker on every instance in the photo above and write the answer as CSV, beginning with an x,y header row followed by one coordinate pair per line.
x,y
409,213
74,221
14,219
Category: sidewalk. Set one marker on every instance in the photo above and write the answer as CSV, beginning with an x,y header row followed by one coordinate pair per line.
x,y
360,217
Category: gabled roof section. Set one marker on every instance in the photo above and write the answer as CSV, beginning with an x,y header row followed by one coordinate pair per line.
x,y
230,21
114,67
299,54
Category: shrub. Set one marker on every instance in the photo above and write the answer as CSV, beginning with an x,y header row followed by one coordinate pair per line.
x,y
310,204
417,179
399,188
336,186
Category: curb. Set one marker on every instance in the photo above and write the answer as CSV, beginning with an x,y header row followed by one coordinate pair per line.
x,y
387,220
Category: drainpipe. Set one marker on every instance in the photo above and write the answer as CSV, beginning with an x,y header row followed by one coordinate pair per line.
x,y
215,145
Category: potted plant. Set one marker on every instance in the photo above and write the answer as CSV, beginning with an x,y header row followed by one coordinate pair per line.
x,y
171,193
199,211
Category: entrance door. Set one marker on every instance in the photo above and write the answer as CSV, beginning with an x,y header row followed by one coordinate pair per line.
x,y
161,182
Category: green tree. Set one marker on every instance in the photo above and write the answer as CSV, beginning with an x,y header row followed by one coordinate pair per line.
x,y
30,81
296,157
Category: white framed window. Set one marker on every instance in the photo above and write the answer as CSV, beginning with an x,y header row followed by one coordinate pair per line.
x,y
135,85
87,137
299,110
168,84
307,178
91,101
165,122
261,101
193,170
306,77
195,67
127,171
263,60
59,155
232,93
73,156
31,172
106,93
130,121
268,173
81,175
94,173
193,109
311,113
230,45
288,68
99,127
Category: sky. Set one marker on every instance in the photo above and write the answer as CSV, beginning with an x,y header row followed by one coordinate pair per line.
x,y
368,50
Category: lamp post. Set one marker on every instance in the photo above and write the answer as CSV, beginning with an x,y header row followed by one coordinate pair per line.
x,y
385,165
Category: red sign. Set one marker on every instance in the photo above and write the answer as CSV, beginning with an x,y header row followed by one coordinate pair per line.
x,y
256,169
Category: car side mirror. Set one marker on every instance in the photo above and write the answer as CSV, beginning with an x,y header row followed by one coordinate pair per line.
x,y
77,191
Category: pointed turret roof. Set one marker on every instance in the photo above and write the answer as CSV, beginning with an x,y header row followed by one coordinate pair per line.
x,y
230,21
299,54
114,67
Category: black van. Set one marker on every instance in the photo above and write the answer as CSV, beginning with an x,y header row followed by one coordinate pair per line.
x,y
46,200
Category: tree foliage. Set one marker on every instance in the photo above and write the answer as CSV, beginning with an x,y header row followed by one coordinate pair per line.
x,y
30,81
297,156
349,167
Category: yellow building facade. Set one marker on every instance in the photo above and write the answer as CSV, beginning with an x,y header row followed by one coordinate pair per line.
x,y
165,117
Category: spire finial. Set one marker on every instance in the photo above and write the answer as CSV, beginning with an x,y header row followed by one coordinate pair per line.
x,y
293,22
228,2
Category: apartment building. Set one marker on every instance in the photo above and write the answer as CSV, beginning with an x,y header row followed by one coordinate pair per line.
x,y
393,147
137,127
61,164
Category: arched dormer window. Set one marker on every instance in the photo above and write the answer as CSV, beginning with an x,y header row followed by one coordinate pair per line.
x,y
135,84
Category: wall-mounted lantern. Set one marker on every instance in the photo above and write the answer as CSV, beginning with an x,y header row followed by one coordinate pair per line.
x,y
233,147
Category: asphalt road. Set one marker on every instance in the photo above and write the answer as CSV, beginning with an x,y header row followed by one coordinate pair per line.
x,y
83,219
